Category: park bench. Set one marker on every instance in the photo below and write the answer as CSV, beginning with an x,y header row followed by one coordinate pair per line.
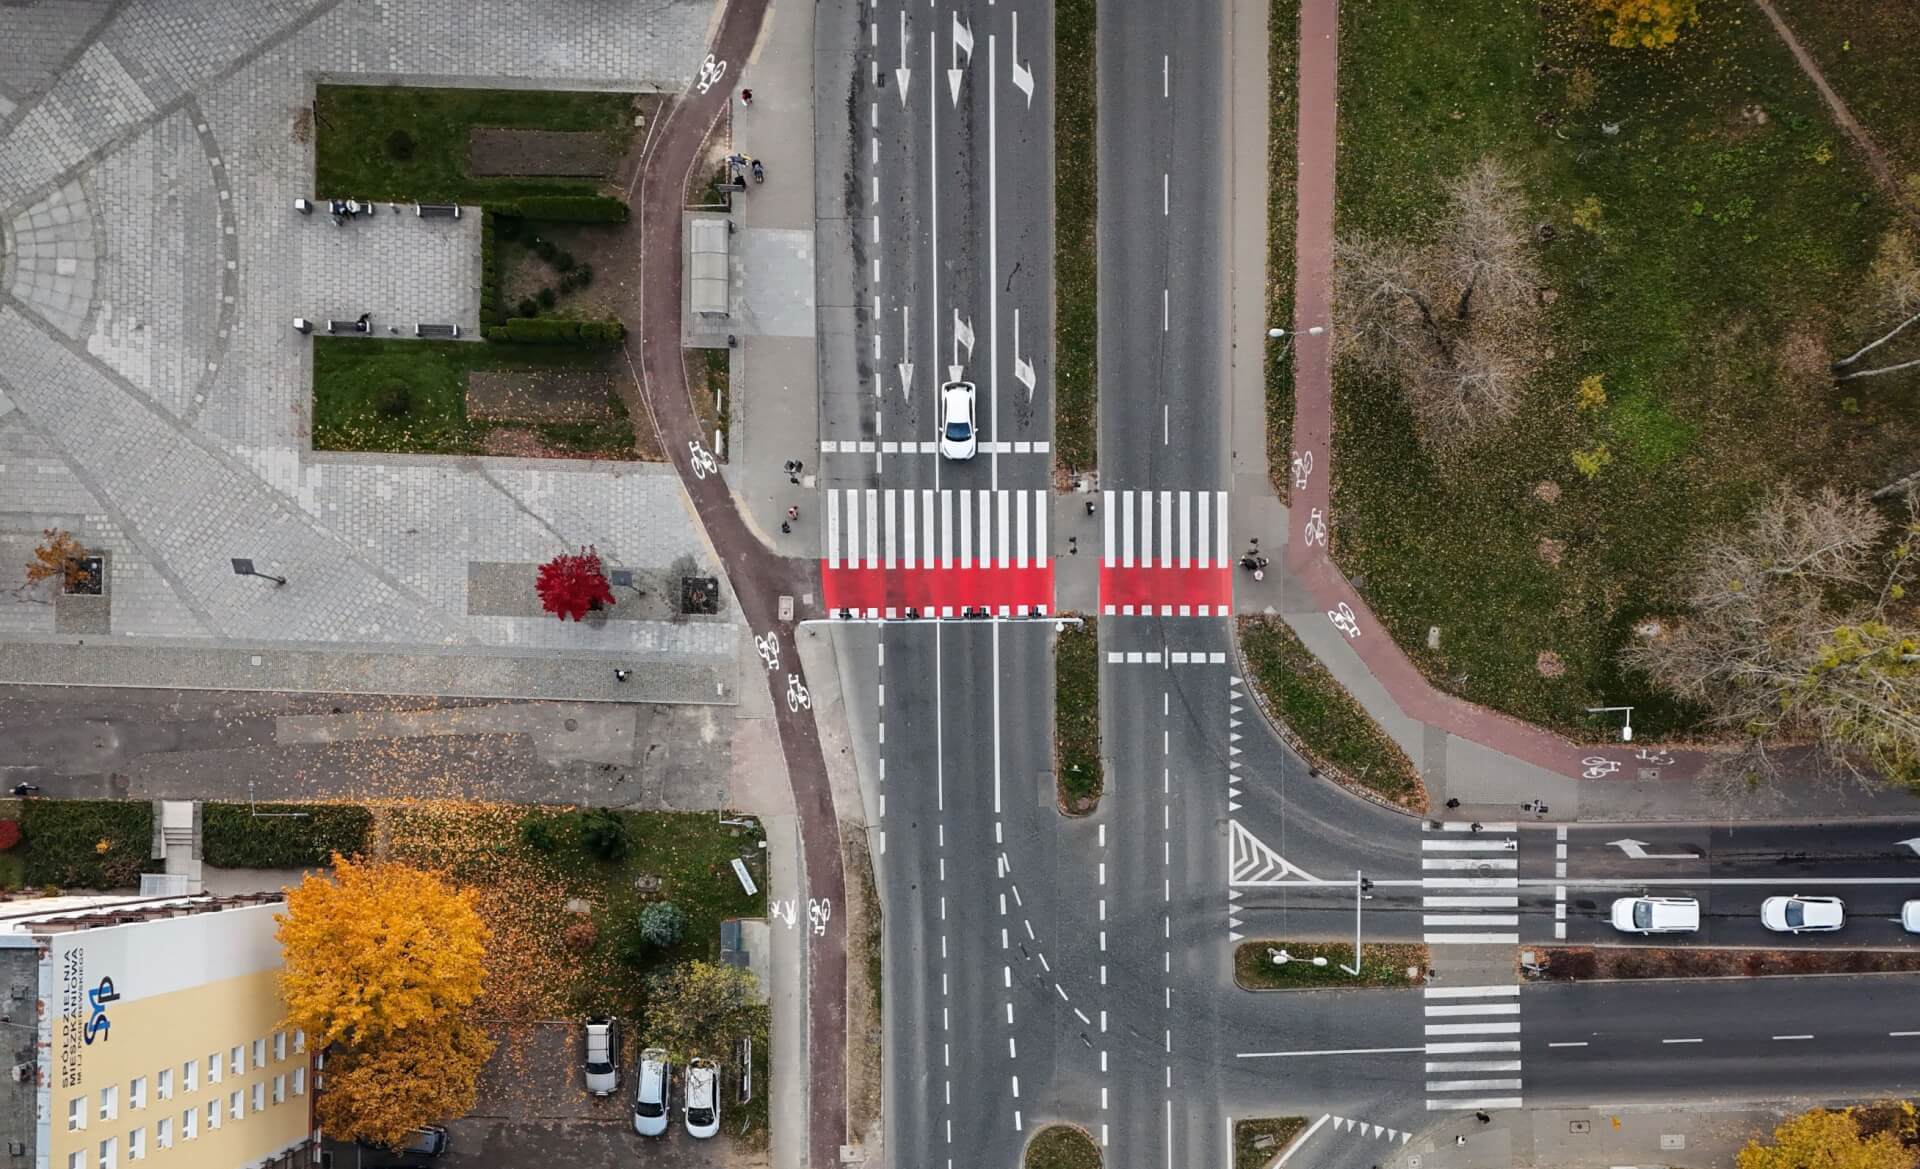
x,y
348,327
437,210
422,330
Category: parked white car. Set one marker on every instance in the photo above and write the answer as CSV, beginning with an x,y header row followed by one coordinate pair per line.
x,y
1910,917
702,1113
959,437
652,1093
603,1056
1656,915
1798,915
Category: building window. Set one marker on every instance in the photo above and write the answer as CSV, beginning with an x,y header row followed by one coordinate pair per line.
x,y
136,1144
190,1076
109,1103
280,1088
237,1105
213,1116
259,1095
163,1133
237,1059
163,1086
299,1081
77,1114
299,1040
76,1160
259,1053
136,1098
279,1045
213,1068
110,1153
190,1123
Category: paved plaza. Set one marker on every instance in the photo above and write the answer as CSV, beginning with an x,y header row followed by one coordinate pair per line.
x,y
154,399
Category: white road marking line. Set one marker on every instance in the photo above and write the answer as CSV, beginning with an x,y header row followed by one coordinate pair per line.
x,y
1300,1140
1470,1047
1474,1065
1471,883
1332,1051
1448,844
1683,1041
1473,1028
1571,1043
1784,1037
1467,826
1507,1085
1902,1034
1469,903
1433,919
1472,992
1489,1104
1471,939
1466,864
1438,1010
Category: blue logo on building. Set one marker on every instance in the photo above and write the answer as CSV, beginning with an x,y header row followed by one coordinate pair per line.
x,y
98,1025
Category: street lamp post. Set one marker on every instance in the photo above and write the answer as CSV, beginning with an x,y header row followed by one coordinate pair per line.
x,y
244,567
1626,727
1294,334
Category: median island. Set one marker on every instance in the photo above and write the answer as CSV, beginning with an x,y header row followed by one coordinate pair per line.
x,y
1281,965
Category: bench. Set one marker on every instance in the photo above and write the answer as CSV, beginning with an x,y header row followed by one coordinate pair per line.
x,y
436,330
437,210
348,327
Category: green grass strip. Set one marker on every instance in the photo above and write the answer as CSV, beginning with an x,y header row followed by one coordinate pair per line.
x,y
1283,124
1076,404
1381,964
1076,717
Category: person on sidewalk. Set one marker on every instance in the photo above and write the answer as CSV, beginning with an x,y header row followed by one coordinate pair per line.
x,y
746,97
620,675
786,529
793,511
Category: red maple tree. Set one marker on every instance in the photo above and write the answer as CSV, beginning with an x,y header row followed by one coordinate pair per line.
x,y
571,584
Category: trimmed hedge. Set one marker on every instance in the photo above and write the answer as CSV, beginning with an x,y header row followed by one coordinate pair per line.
x,y
564,208
489,272
555,331
233,838
63,839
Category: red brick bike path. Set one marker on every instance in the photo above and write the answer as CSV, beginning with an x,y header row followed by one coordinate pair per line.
x,y
759,577
1311,508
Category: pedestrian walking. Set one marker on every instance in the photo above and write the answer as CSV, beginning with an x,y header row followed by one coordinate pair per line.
x,y
793,511
794,480
759,172
23,790
1483,1118
1459,1140
746,97
1453,804
1474,827
786,529
620,675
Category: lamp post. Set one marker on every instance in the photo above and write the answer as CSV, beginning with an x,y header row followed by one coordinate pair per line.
x,y
244,567
1293,334
1626,727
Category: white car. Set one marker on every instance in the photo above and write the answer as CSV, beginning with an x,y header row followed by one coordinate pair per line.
x,y
1797,914
652,1093
1910,917
603,1056
702,1112
959,437
1656,915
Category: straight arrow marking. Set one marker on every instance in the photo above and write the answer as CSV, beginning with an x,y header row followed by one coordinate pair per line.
x,y
903,74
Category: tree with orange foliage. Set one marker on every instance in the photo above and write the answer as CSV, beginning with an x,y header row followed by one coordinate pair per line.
x,y
376,949
1647,24
59,555
413,1077
1832,1140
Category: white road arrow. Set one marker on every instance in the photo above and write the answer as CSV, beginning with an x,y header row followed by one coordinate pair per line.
x,y
906,367
1637,850
903,75
962,45
1022,76
1022,368
962,335
1913,843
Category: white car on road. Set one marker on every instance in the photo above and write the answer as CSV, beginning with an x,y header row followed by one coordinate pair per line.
x,y
1797,914
959,437
702,1112
1656,915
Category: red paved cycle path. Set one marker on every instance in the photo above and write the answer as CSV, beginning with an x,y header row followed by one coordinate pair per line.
x,y
1313,432
758,576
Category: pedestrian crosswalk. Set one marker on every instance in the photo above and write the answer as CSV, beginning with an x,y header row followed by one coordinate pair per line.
x,y
1166,553
1470,884
867,446
892,552
1473,1048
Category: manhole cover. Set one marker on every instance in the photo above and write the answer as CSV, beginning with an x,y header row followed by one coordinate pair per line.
x,y
1579,1126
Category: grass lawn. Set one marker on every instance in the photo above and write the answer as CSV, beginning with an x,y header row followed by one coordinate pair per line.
x,y
1062,1146
1251,1152
353,125
1380,965
1713,265
1076,177
1076,717
411,397
1867,50
1283,65
13,870
1328,726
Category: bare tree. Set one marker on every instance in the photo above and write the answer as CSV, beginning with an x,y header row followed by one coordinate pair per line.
x,y
1455,319
1794,633
1894,279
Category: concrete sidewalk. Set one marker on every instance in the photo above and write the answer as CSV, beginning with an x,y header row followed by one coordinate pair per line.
x,y
1585,1138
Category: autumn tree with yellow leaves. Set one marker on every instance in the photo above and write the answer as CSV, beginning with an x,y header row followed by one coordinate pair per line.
x,y
1828,1140
1645,24
381,964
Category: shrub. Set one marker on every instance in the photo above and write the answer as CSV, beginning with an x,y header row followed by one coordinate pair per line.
x,y
661,924
580,937
400,146
548,331
604,834
233,837
528,307
566,208
9,834
539,832
546,298
64,839
564,261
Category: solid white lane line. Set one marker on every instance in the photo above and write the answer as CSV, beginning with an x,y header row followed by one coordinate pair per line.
x,y
1470,1047
1793,1037
1488,1104
1301,1140
1474,1065
1578,1043
1903,1034
1438,1010
993,259
1333,1051
1472,992
1511,1085
1474,1029
1683,1041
